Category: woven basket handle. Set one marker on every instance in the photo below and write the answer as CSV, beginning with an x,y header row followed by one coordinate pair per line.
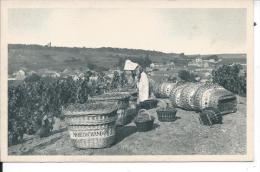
x,y
143,111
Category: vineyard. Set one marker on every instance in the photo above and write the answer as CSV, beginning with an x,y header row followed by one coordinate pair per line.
x,y
232,78
33,103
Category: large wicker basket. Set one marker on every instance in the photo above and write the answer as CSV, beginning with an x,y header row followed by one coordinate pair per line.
x,y
122,100
91,125
163,90
187,95
131,91
217,97
199,96
176,95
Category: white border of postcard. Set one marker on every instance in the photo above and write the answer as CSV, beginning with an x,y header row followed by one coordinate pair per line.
x,y
6,4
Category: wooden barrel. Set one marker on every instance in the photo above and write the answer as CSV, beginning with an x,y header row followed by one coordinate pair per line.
x,y
91,125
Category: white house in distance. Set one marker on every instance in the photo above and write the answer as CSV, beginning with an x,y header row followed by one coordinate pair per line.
x,y
198,62
162,67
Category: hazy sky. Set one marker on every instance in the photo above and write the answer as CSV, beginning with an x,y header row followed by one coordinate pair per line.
x,y
169,30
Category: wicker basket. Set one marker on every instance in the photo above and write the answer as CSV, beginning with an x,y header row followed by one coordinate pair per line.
x,y
199,96
144,121
166,114
198,101
217,97
187,95
164,89
131,91
148,104
210,116
176,95
94,142
145,125
91,125
122,100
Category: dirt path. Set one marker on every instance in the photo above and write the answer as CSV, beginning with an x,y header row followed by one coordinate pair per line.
x,y
185,136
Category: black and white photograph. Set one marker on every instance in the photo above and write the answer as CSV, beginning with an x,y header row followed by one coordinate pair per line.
x,y
127,81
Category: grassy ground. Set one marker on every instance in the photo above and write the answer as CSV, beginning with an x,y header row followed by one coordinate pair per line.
x,y
185,136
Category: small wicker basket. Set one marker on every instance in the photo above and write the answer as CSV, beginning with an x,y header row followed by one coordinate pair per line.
x,y
148,104
144,121
167,114
145,125
210,116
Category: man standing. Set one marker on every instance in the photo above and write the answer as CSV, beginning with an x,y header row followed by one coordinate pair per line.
x,y
143,87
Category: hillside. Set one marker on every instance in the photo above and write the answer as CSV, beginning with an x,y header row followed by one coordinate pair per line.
x,y
35,57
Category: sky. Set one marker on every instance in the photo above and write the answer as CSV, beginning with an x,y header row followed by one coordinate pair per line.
x,y
191,31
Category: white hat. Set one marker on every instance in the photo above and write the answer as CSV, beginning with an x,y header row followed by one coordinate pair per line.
x,y
129,65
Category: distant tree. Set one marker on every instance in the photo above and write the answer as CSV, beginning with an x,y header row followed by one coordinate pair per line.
x,y
186,76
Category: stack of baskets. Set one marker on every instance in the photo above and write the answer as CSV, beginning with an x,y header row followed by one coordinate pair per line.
x,y
198,96
131,111
91,125
122,100
133,95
